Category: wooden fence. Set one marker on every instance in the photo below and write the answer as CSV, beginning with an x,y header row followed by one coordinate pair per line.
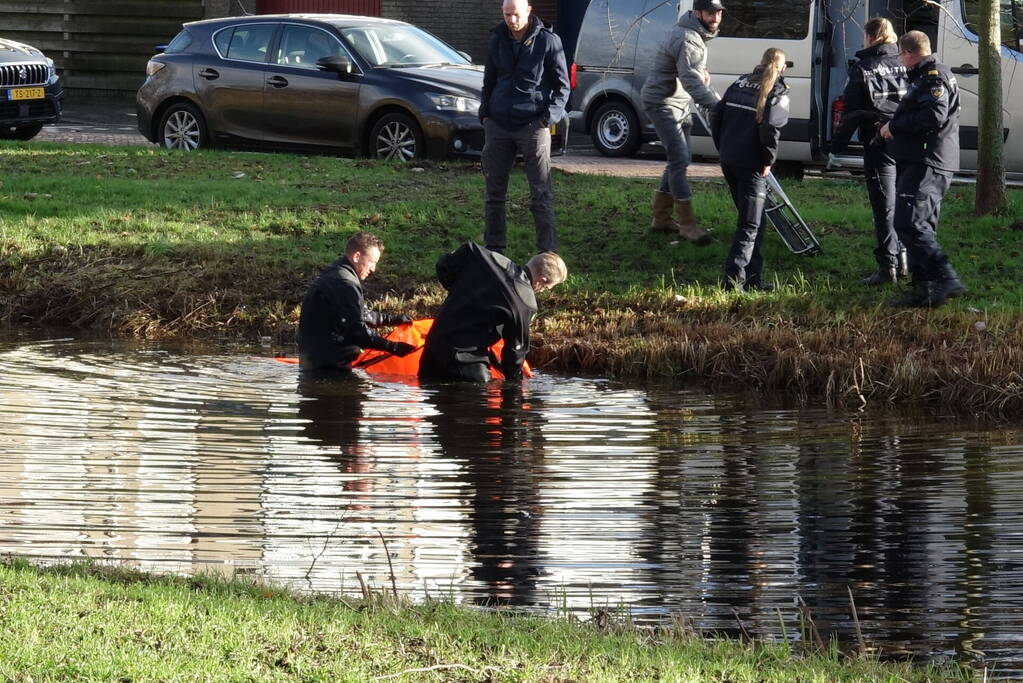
x,y
100,47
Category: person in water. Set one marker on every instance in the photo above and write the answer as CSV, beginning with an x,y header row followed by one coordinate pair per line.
x,y
333,327
489,298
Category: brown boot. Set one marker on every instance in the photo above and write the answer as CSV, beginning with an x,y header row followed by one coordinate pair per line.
x,y
662,205
687,226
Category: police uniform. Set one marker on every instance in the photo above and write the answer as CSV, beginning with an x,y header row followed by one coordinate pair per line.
x,y
489,298
333,326
925,146
745,147
877,81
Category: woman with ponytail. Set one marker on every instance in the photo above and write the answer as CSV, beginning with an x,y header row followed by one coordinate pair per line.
x,y
746,125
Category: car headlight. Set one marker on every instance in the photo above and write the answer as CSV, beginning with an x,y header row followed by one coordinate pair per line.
x,y
152,67
467,105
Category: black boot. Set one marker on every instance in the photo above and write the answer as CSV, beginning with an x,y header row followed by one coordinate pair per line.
x,y
948,287
883,276
916,296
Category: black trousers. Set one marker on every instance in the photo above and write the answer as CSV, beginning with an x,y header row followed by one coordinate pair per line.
x,y
744,265
919,192
879,170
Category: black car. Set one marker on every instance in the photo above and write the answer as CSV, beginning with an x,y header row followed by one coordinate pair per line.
x,y
362,84
30,91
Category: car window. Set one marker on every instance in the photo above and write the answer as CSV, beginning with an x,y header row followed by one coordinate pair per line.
x,y
180,43
302,45
250,43
399,45
759,19
222,39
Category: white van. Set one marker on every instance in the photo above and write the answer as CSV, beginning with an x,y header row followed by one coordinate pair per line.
x,y
820,39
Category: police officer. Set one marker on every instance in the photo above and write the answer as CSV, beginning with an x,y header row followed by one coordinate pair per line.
x,y
332,328
489,298
746,125
877,81
923,138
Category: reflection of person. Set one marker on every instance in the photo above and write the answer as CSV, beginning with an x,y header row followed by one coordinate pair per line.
x,y
489,298
525,89
501,445
677,77
876,83
746,125
924,140
332,328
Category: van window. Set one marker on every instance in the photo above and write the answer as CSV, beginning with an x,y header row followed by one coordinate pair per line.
x,y
766,19
1011,12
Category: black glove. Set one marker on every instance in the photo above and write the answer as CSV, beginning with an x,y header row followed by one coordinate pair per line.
x,y
400,349
395,319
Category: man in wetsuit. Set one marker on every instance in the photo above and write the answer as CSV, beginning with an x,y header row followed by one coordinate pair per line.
x,y
333,327
489,298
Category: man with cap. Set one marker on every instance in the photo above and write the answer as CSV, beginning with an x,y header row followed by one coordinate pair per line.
x,y
677,78
923,137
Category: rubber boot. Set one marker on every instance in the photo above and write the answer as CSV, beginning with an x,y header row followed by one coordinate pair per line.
x,y
662,205
687,226
946,287
883,276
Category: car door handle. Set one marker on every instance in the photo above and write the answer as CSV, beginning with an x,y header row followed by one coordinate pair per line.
x,y
277,81
966,69
210,74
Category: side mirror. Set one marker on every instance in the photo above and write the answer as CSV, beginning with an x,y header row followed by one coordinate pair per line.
x,y
467,56
339,64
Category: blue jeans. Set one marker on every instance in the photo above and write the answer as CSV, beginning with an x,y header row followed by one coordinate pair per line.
x,y
673,128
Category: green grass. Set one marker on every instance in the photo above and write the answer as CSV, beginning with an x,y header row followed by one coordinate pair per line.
x,y
146,242
83,622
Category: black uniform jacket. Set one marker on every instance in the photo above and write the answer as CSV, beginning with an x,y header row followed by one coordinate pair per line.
x,y
740,140
489,298
926,124
334,315
877,82
527,80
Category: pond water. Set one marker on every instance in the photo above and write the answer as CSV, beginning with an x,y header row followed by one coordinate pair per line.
x,y
561,493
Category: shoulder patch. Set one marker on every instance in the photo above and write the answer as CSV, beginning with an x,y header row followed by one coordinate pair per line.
x,y
937,92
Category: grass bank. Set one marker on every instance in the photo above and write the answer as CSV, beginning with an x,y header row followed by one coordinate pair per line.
x,y
148,243
83,622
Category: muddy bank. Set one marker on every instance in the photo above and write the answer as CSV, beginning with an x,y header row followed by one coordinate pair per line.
x,y
960,361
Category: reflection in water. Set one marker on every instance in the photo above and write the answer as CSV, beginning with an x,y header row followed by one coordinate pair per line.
x,y
558,492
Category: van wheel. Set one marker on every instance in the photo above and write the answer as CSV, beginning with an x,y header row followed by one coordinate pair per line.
x,y
616,130
182,127
26,132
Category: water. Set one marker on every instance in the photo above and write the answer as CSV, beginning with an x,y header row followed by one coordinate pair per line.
x,y
561,494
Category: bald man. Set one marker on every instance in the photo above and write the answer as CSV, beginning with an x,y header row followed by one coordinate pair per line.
x,y
525,90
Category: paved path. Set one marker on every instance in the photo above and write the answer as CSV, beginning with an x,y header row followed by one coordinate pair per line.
x,y
105,123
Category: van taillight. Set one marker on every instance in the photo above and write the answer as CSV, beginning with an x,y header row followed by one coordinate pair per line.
x,y
836,112
573,79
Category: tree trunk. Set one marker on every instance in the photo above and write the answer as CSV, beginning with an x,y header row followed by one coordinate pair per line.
x,y
990,157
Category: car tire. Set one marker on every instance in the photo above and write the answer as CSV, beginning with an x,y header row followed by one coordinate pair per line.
x,y
20,132
615,129
395,137
182,127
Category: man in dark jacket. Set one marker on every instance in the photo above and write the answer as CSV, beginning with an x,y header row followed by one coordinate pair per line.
x,y
489,298
923,139
877,81
332,328
525,89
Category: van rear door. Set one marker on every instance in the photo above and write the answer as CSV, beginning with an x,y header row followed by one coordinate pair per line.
x,y
748,28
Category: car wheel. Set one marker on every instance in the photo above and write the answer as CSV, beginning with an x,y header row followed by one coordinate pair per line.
x,y
395,137
616,130
183,127
20,132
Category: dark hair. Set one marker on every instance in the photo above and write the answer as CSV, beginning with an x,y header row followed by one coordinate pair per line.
x,y
363,242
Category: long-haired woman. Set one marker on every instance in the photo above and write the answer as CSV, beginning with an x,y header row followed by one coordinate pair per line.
x,y
746,125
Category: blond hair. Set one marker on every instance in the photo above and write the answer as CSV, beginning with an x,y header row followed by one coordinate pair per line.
x,y
879,30
773,63
916,42
549,266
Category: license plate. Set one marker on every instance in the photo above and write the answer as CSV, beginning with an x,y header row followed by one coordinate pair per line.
x,y
26,94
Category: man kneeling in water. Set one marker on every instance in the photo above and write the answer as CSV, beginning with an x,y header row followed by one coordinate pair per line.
x,y
489,298
332,328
